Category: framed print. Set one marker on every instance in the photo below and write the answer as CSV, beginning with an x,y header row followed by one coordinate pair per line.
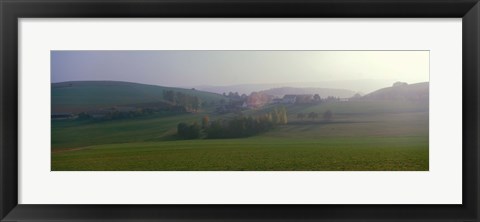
x,y
226,110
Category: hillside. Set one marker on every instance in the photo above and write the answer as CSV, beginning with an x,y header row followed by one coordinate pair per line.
x,y
322,92
358,85
78,96
405,92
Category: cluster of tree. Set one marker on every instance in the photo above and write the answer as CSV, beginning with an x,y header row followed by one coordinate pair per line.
x,y
398,84
327,115
240,126
318,99
243,126
186,131
235,96
193,130
191,103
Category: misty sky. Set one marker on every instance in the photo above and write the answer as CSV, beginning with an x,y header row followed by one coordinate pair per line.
x,y
193,68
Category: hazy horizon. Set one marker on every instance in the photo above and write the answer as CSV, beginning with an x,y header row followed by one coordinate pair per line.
x,y
182,68
239,84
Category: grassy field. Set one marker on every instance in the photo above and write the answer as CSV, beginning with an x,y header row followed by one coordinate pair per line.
x,y
72,134
257,153
362,136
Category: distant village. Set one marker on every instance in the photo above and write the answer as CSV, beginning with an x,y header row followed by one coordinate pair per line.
x,y
257,100
232,103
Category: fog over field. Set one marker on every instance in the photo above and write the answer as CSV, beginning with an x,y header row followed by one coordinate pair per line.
x,y
245,71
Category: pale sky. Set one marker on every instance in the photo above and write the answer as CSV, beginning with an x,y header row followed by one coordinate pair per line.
x,y
220,68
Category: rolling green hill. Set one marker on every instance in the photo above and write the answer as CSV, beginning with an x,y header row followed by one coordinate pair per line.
x,y
78,96
401,91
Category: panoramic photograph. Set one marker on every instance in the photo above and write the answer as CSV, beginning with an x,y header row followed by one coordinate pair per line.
x,y
247,110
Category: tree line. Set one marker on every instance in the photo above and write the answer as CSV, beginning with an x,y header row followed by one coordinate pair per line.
x,y
327,115
238,127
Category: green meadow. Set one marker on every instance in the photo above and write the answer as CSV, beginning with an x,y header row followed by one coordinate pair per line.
x,y
259,154
362,136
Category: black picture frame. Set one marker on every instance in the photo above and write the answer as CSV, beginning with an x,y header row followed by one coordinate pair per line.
x,y
12,10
